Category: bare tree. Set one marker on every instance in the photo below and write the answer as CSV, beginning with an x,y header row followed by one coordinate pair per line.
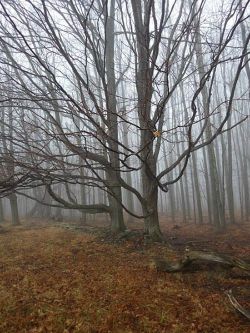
x,y
75,98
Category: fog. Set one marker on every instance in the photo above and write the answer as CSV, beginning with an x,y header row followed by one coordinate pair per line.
x,y
125,110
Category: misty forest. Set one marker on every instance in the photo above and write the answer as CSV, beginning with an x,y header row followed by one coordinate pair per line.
x,y
124,166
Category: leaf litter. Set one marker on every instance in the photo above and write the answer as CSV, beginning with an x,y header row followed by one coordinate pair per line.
x,y
59,281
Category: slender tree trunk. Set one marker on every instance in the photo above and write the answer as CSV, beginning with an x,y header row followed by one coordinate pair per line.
x,y
83,199
130,201
194,201
171,191
1,211
221,170
34,210
229,165
245,175
239,165
194,165
229,176
217,206
244,38
182,193
115,200
187,196
197,188
46,209
208,188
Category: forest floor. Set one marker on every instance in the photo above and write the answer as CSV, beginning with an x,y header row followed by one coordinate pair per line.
x,y
57,280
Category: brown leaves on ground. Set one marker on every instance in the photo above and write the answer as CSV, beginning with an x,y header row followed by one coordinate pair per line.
x,y
55,280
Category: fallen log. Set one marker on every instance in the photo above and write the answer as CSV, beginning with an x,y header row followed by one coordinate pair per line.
x,y
211,257
201,256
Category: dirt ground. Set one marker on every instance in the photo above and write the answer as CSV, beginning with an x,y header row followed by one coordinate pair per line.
x,y
60,279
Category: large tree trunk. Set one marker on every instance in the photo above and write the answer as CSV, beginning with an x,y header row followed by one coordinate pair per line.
x,y
116,215
14,209
150,188
147,127
46,210
151,222
150,194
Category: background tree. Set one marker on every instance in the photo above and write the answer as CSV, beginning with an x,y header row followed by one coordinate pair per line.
x,y
85,73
